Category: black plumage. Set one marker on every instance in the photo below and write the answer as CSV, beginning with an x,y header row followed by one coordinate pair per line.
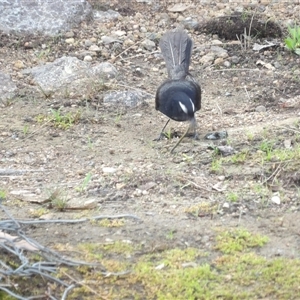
x,y
179,97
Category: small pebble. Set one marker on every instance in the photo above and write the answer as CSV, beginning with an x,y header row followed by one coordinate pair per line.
x,y
70,41
88,58
260,108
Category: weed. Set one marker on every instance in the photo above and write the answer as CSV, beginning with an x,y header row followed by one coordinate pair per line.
x,y
293,40
58,199
187,158
111,223
118,118
38,212
250,136
170,235
238,240
44,53
203,208
7,102
232,196
64,121
267,147
3,194
25,129
245,15
239,157
168,134
216,165
90,143
85,183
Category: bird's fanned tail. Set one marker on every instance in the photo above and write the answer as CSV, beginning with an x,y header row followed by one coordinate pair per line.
x,y
176,47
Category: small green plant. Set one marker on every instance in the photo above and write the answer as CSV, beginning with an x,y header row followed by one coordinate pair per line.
x,y
293,40
44,53
25,129
170,235
38,212
111,223
118,118
267,147
250,136
64,121
187,158
168,134
7,102
239,240
3,194
58,199
84,184
232,196
216,165
239,157
90,143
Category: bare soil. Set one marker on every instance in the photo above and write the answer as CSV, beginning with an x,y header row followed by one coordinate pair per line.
x,y
182,194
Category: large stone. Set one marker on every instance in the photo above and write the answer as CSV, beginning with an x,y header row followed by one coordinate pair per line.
x,y
39,16
124,98
70,73
7,87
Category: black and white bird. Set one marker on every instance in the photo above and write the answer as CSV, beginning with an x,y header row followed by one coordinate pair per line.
x,y
179,97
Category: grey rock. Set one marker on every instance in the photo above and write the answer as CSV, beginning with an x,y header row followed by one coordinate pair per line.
x,y
69,34
69,73
48,17
217,135
103,70
190,23
126,98
219,51
94,48
154,36
164,19
148,44
104,16
88,43
277,65
260,108
226,150
7,87
235,59
109,39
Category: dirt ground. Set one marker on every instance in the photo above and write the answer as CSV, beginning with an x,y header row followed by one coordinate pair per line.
x,y
186,195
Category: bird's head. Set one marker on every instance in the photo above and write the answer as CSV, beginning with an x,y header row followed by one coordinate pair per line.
x,y
185,106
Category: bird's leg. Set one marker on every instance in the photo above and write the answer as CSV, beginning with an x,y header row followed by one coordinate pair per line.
x,y
161,135
192,126
179,141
